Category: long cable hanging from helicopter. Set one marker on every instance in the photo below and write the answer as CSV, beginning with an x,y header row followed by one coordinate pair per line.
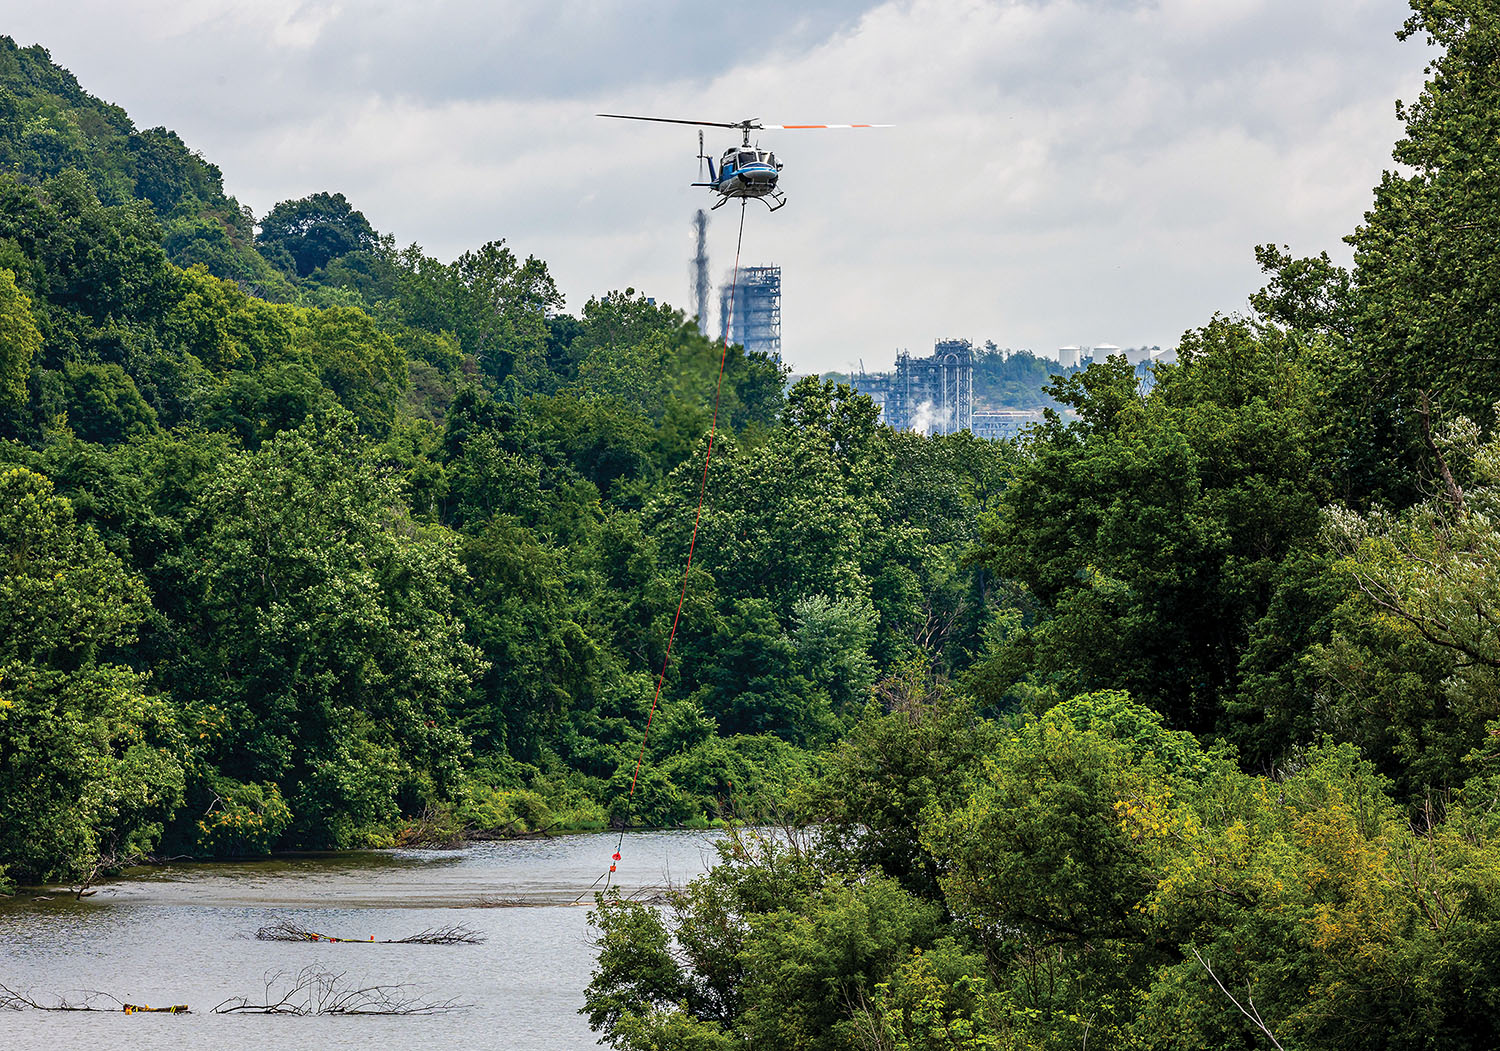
x,y
744,172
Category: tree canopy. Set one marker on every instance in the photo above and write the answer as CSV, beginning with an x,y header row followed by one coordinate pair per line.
x,y
313,231
1171,723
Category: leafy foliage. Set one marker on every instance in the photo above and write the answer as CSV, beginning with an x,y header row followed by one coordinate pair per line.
x,y
325,628
20,342
313,232
92,762
1174,509
1427,302
1189,692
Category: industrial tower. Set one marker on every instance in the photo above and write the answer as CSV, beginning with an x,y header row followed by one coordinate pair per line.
x,y
754,318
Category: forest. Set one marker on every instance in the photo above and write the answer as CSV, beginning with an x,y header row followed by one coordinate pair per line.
x,y
314,542
1174,723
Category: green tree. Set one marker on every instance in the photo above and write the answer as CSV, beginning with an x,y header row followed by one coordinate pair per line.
x,y
1152,529
495,304
313,231
539,639
918,745
1411,670
321,629
104,404
361,364
95,261
92,763
170,175
769,951
1427,298
833,638
222,326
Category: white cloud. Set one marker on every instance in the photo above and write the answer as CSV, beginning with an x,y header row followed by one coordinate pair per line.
x,y
1062,171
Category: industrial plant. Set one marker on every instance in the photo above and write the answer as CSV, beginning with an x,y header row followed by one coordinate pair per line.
x,y
933,395
749,308
940,395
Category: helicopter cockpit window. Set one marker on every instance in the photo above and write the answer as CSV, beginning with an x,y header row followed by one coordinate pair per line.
x,y
746,158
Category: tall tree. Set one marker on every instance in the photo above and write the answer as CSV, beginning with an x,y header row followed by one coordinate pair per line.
x,y
90,761
1428,308
1151,529
321,633
20,342
495,303
313,231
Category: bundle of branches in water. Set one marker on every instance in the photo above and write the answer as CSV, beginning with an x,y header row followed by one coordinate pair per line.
x,y
314,991
453,934
14,1000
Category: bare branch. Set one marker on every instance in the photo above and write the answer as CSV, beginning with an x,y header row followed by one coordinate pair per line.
x,y
14,1000
453,934
1253,1014
1387,598
1450,487
314,991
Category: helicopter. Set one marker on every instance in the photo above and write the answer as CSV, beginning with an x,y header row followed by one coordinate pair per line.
x,y
744,171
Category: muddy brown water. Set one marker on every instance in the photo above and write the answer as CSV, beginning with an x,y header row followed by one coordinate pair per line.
x,y
184,933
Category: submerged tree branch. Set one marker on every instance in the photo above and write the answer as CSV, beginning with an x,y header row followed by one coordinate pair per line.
x,y
314,991
453,934
14,1000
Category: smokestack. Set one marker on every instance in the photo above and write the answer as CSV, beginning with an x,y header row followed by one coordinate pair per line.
x,y
700,269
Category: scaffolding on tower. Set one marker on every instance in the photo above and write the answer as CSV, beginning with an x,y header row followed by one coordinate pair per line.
x,y
755,322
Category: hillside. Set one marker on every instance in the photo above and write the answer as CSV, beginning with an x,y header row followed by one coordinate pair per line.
x,y
49,125
380,547
1172,724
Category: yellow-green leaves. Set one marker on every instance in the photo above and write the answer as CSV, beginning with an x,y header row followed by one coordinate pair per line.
x,y
20,341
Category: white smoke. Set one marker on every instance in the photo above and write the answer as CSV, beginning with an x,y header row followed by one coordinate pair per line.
x,y
925,420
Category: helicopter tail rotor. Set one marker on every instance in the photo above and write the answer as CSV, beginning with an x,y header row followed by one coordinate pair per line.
x,y
713,176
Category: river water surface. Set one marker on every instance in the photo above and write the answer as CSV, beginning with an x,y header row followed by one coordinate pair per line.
x,y
185,934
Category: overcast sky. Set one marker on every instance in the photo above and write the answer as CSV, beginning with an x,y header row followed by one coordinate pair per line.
x,y
1061,171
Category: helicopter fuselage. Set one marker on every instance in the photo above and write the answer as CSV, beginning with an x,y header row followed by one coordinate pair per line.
x,y
745,171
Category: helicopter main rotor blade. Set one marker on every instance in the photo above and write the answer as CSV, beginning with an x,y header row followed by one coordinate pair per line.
x,y
810,127
673,120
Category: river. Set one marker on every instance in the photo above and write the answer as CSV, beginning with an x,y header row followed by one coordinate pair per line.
x,y
184,933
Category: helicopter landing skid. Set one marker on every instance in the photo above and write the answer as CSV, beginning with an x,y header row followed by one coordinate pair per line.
x,y
779,198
